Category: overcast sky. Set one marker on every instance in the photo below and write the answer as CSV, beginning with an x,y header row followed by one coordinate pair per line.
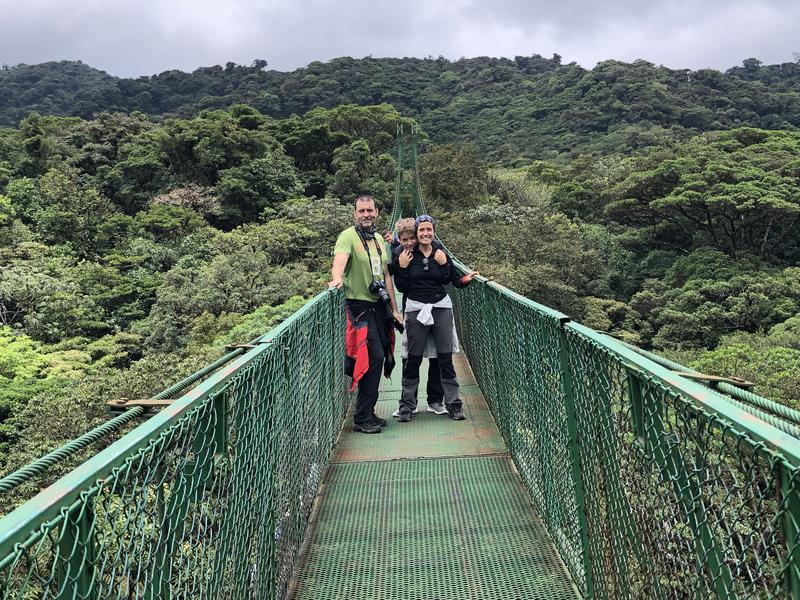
x,y
143,37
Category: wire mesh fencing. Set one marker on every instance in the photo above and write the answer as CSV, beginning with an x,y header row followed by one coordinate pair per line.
x,y
208,499
650,486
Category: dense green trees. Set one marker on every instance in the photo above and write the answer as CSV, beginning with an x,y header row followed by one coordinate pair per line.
x,y
135,250
529,106
687,248
738,191
133,247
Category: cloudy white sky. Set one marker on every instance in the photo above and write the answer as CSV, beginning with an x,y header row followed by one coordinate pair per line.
x,y
143,37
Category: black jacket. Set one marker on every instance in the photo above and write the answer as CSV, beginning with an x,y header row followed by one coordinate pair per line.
x,y
421,284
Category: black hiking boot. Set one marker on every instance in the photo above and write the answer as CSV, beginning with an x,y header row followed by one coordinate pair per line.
x,y
368,427
456,411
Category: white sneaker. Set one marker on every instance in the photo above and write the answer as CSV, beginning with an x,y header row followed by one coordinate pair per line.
x,y
437,408
397,412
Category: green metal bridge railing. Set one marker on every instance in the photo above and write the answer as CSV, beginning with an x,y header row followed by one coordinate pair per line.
x,y
651,485
208,499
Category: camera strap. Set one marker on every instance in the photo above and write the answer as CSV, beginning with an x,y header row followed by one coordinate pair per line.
x,y
369,256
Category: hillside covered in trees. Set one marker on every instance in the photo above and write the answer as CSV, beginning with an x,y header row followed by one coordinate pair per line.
x,y
135,243
528,107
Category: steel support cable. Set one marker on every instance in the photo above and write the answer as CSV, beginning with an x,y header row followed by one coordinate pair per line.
x,y
417,186
42,464
398,182
767,409
198,375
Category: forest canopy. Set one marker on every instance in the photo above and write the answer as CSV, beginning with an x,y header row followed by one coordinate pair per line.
x,y
529,106
147,223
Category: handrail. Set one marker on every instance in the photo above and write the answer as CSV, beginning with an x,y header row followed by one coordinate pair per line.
x,y
42,464
18,525
744,396
701,396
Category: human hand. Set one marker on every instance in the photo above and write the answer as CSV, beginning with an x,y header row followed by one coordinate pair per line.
x,y
397,316
404,259
336,282
468,277
440,257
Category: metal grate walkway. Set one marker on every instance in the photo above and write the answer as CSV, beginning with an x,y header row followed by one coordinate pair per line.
x,y
428,510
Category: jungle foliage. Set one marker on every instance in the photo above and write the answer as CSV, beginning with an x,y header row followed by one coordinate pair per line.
x,y
145,224
529,106
133,251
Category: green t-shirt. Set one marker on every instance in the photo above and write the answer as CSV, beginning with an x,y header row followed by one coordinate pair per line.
x,y
357,272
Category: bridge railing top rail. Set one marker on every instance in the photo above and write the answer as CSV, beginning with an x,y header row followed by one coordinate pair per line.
x,y
702,397
24,525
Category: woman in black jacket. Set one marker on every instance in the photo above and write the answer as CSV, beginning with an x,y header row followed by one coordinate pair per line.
x,y
421,275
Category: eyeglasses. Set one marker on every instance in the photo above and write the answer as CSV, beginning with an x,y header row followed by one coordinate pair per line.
x,y
425,263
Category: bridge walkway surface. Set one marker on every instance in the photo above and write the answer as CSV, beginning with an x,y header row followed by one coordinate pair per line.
x,y
431,509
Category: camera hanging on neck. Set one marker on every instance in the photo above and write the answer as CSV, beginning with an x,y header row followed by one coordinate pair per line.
x,y
369,235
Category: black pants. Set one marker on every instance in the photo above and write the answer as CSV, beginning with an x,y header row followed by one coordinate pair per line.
x,y
369,382
434,388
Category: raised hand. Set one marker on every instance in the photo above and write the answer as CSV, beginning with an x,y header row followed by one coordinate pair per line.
x,y
404,259
440,257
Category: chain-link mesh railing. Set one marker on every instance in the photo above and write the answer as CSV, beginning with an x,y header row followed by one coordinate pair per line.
x,y
208,499
397,207
67,456
651,486
513,350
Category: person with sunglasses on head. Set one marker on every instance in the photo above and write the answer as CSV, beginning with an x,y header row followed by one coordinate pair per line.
x,y
405,238
421,274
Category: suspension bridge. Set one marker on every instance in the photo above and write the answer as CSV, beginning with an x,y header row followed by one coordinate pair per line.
x,y
587,468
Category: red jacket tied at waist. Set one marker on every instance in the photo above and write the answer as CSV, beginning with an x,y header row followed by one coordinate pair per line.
x,y
355,344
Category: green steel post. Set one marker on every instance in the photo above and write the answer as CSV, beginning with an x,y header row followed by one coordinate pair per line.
x,y
267,556
790,488
194,474
76,548
225,561
156,579
220,412
637,410
638,416
175,510
667,456
575,455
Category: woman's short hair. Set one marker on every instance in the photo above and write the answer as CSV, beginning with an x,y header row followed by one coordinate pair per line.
x,y
406,226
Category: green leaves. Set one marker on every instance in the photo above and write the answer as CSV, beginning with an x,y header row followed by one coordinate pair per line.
x,y
706,295
728,191
762,359
246,190
452,176
20,356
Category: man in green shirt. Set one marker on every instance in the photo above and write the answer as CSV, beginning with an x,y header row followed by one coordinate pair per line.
x,y
360,264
